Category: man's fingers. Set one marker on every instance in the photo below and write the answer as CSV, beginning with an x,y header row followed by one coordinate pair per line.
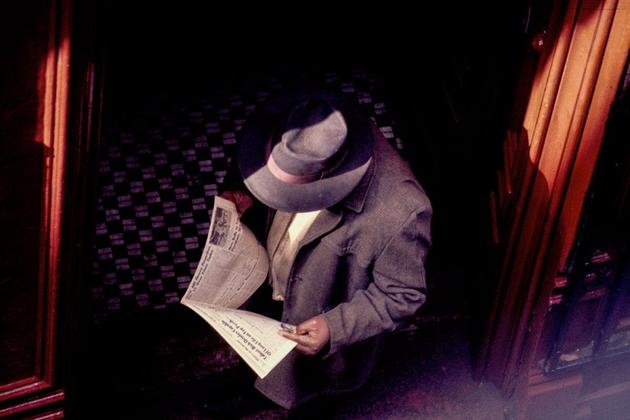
x,y
305,327
301,339
311,335
310,325
306,350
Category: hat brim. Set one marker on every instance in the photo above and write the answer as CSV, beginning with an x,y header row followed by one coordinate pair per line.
x,y
254,145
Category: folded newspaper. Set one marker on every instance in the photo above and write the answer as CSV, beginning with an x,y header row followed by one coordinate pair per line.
x,y
233,265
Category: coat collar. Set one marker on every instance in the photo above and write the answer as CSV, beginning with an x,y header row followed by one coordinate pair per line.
x,y
329,218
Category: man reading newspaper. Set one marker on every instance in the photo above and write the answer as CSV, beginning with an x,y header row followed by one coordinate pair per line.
x,y
232,266
348,232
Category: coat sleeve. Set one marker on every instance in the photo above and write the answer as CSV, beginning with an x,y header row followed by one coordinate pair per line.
x,y
397,290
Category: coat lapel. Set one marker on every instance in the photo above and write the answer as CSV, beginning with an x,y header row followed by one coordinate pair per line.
x,y
329,218
326,221
282,219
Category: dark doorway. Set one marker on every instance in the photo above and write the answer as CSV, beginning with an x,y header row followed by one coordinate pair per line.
x,y
178,83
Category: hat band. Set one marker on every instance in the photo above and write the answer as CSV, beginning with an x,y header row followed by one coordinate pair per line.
x,y
284,176
290,178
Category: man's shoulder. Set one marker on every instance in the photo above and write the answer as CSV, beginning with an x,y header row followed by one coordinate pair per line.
x,y
396,199
394,186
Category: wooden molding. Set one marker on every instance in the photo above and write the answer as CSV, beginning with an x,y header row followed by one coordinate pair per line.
x,y
55,138
28,386
53,130
33,404
608,56
574,86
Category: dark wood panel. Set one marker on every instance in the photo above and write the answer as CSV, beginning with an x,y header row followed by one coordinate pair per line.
x,y
583,56
35,43
20,220
24,41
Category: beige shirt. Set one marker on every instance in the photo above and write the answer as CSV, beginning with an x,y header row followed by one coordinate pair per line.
x,y
287,230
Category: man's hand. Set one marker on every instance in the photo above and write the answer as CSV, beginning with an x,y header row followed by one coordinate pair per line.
x,y
311,335
242,200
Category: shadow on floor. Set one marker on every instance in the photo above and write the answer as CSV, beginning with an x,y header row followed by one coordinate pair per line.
x,y
160,365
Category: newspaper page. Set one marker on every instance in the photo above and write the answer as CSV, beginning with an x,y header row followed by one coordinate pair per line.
x,y
232,266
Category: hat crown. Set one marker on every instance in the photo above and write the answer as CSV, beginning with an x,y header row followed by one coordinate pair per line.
x,y
313,138
321,147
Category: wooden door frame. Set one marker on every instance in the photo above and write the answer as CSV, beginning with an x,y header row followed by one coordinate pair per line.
x,y
71,84
583,57
43,385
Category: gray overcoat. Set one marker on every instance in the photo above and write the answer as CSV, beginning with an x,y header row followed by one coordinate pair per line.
x,y
361,265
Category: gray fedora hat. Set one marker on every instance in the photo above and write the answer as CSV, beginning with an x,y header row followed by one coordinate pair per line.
x,y
304,150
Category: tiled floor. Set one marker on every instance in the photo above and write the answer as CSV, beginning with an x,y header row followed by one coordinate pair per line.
x,y
162,365
158,173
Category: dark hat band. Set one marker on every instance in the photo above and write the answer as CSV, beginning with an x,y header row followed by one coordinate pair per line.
x,y
284,176
290,178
